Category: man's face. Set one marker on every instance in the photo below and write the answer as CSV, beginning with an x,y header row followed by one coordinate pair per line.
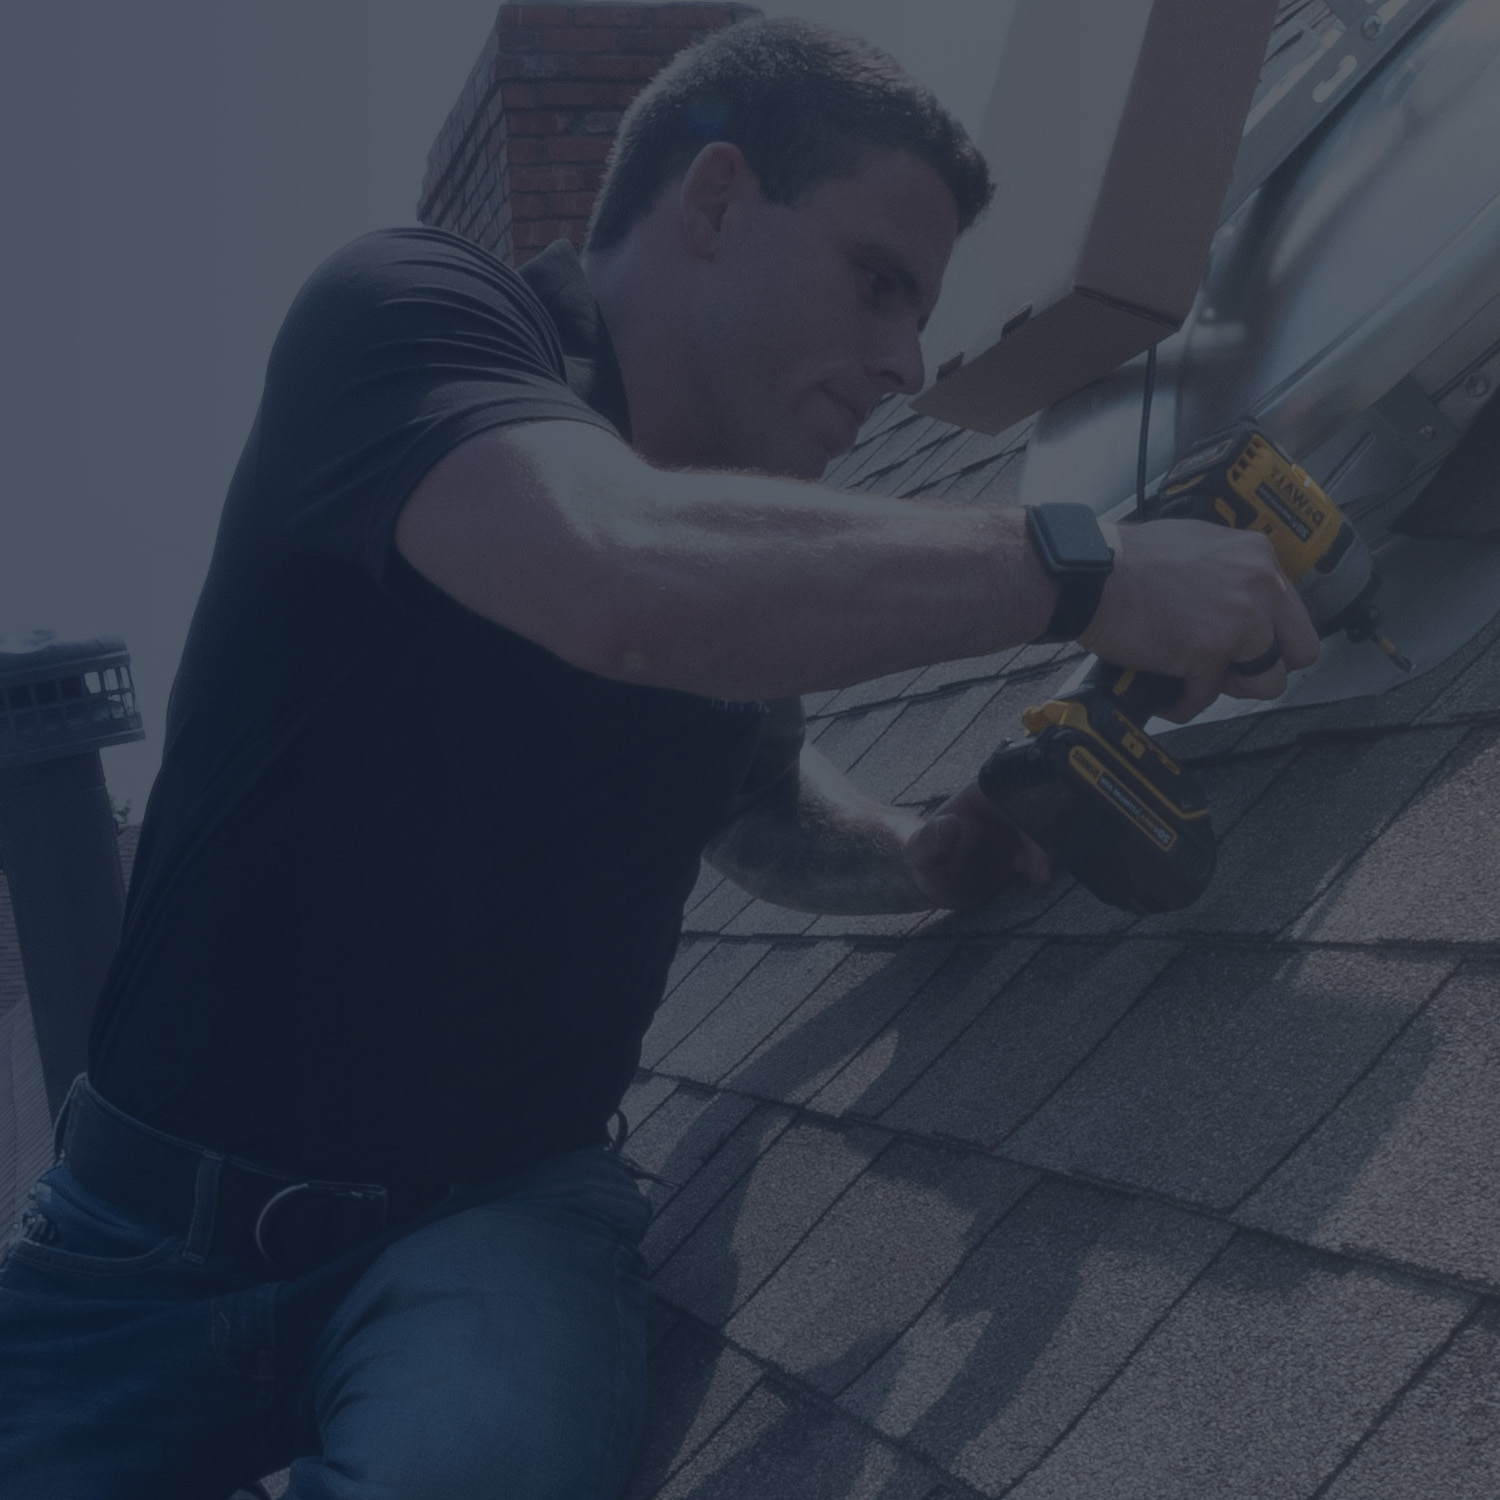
x,y
812,312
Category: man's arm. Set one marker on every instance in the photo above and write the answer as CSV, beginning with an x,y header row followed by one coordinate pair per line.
x,y
744,586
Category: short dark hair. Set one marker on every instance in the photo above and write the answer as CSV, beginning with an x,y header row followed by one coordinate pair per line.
x,y
804,103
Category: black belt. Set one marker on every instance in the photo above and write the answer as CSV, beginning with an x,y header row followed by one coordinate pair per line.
x,y
220,1204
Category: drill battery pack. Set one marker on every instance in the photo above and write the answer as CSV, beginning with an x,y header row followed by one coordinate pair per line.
x,y
1106,802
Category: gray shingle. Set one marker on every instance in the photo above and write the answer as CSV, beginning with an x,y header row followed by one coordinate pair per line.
x,y
748,1142
965,670
766,919
996,483
998,721
693,1386
717,909
1433,874
845,738
709,981
838,1018
1015,908
877,690
758,1223
924,730
1030,1037
709,880
1333,801
689,951
680,1135
1474,690
1188,742
645,1094
898,471
1406,1168
1444,1438
814,704
779,1446
1254,1387
764,998
937,463
1223,1066
873,1261
1038,1320
902,1051
865,467
877,925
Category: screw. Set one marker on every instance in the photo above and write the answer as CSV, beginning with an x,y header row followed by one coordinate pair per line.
x,y
1477,386
1427,431
1372,28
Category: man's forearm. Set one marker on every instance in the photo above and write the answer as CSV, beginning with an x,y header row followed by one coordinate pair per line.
x,y
779,588
820,845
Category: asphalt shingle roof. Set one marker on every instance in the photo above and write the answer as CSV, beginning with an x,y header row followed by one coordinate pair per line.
x,y
1056,1203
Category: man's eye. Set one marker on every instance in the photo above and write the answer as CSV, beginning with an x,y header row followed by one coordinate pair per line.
x,y
877,284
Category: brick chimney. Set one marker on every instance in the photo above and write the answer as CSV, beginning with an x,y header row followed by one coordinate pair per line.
x,y
521,156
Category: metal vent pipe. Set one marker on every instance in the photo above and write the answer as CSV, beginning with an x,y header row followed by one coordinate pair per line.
x,y
60,704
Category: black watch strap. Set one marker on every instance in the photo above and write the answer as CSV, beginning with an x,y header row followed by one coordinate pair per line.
x,y
1073,551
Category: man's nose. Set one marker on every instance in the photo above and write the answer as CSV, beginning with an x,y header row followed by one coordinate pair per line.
x,y
899,363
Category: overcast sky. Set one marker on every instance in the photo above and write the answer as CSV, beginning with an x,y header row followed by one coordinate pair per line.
x,y
173,170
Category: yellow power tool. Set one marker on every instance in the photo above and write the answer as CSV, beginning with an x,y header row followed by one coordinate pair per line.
x,y
1090,785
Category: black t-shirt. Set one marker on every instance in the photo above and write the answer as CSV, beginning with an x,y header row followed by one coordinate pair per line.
x,y
408,885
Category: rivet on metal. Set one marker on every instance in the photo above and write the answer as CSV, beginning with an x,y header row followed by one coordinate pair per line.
x,y
1372,28
1477,386
1427,431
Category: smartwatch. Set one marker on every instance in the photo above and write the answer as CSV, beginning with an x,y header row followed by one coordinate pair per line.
x,y
1073,551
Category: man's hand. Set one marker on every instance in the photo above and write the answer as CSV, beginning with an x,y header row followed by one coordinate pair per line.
x,y
1189,599
965,853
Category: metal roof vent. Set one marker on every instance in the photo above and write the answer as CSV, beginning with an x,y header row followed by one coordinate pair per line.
x,y
65,698
60,704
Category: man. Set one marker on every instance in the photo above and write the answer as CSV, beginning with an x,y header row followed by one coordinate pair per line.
x,y
516,586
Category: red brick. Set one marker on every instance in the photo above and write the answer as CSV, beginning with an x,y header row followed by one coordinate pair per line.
x,y
583,39
521,95
545,180
517,64
698,17
539,122
536,234
526,207
612,15
525,151
569,205
535,15
616,65
578,148
600,122
662,40
575,95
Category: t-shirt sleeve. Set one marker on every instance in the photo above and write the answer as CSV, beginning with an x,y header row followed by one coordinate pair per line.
x,y
399,347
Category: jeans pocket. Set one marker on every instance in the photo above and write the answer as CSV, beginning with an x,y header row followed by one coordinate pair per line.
x,y
68,1228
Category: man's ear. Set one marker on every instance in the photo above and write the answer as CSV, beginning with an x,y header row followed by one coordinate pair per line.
x,y
718,180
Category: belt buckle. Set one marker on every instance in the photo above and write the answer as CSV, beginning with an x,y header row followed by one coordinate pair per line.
x,y
340,1199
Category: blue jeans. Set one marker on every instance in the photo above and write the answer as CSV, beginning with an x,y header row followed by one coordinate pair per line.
x,y
493,1347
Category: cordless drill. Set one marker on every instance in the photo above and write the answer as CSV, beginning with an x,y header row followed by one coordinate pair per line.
x,y
1090,786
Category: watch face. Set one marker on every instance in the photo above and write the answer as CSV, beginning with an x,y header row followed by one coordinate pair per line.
x,y
1070,538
